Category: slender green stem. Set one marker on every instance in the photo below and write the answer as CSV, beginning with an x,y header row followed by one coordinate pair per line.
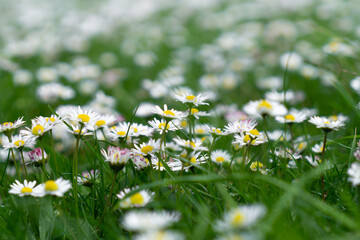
x,y
6,164
23,161
16,166
110,195
54,153
322,174
190,132
43,175
74,173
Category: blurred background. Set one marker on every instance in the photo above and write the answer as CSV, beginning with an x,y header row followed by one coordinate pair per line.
x,y
112,55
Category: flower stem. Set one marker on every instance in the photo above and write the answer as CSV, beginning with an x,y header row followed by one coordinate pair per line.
x,y
74,173
110,195
53,149
23,161
322,159
16,166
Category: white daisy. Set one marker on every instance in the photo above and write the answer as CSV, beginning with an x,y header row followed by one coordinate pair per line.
x,y
240,126
354,174
57,187
293,116
246,138
9,127
240,217
196,113
313,160
147,148
220,156
138,199
287,153
20,142
326,124
120,131
116,157
160,235
146,221
26,189
88,178
262,108
36,157
140,161
201,129
168,114
178,164
318,148
160,125
191,99
196,144
82,116
101,121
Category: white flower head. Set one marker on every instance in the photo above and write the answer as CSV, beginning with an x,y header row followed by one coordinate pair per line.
x,y
58,187
168,114
354,174
220,156
326,124
240,217
138,199
191,99
147,148
145,221
261,108
25,189
9,127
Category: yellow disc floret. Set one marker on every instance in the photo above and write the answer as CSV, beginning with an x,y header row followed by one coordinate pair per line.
x,y
100,123
26,190
190,98
264,104
254,132
51,185
146,149
220,159
38,130
168,112
19,143
237,219
84,118
137,199
290,117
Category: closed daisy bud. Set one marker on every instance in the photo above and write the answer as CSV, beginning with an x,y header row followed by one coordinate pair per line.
x,y
116,157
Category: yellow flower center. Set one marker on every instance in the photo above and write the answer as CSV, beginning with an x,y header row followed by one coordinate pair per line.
x,y
327,122
256,165
247,138
137,198
135,129
290,117
26,190
333,118
193,160
19,143
147,149
51,185
238,219
200,131
121,133
160,235
190,97
194,111
84,118
220,159
183,124
37,130
192,144
162,125
264,104
168,112
100,123
8,124
254,132
51,119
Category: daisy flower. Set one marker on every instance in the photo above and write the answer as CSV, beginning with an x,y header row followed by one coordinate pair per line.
x,y
196,144
240,217
159,125
57,187
140,161
338,117
156,164
201,129
36,157
8,127
75,130
39,126
293,116
262,108
25,189
81,116
240,126
354,174
287,153
193,157
138,199
146,221
160,234
116,157
168,114
147,148
258,166
20,142
247,138
87,178
215,132
101,121
313,160
191,99
119,131
318,148
137,130
278,135
220,156
196,113
326,124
